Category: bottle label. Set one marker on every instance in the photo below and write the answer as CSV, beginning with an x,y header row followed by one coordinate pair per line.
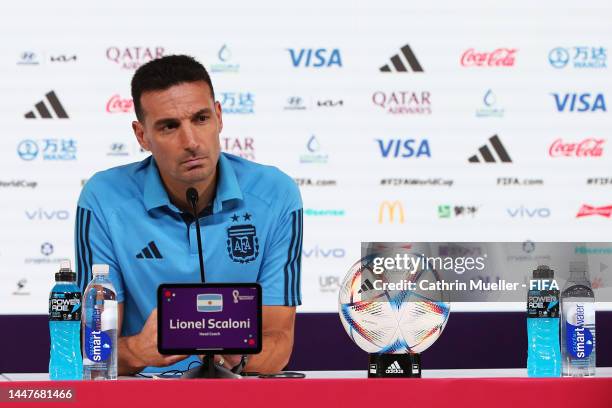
x,y
543,303
65,306
579,339
98,345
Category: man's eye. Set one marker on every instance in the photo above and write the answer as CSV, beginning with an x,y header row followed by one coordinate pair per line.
x,y
169,126
202,118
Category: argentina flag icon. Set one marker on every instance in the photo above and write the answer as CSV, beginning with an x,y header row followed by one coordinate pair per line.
x,y
210,302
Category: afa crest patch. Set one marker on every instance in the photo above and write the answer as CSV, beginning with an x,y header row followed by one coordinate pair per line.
x,y
242,241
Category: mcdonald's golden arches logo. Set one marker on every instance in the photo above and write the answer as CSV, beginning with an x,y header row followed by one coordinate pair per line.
x,y
390,207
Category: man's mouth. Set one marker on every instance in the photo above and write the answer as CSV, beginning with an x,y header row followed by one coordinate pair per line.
x,y
194,162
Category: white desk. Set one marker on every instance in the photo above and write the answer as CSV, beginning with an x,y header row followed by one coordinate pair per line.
x,y
476,373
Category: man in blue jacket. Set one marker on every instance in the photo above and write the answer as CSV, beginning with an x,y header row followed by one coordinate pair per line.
x,y
136,219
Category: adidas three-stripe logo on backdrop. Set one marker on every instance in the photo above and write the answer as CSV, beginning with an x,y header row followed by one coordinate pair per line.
x,y
486,154
44,111
399,65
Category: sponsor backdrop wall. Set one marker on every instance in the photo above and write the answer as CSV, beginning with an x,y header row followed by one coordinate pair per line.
x,y
454,121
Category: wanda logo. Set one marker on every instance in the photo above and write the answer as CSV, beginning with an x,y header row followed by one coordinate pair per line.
x,y
590,147
588,210
501,57
117,105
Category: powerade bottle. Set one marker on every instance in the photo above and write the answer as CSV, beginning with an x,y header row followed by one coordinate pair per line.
x,y
100,327
543,353
578,323
65,362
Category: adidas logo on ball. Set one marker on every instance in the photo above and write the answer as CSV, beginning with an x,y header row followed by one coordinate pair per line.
x,y
394,368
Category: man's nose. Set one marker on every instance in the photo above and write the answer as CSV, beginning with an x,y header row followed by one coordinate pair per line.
x,y
188,137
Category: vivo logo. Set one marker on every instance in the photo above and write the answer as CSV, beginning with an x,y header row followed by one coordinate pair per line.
x,y
316,58
318,252
404,148
41,214
524,212
580,102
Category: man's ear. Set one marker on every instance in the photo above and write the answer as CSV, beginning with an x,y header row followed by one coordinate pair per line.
x,y
219,113
139,133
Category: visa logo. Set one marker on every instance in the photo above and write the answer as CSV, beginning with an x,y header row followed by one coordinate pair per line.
x,y
572,102
316,58
41,214
404,148
523,212
210,302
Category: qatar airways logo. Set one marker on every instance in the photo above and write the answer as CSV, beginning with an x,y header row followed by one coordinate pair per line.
x,y
590,147
116,104
501,57
403,102
133,57
240,146
588,210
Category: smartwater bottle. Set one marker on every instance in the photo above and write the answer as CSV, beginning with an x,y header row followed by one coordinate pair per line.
x,y
100,327
543,353
578,323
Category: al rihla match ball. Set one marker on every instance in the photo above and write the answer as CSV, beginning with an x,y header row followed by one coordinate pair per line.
x,y
390,321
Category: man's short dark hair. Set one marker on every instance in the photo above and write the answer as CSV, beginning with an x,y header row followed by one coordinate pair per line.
x,y
163,73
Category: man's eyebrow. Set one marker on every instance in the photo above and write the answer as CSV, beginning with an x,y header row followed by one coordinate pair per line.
x,y
165,121
169,121
201,111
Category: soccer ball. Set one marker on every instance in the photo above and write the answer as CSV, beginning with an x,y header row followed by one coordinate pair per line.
x,y
390,321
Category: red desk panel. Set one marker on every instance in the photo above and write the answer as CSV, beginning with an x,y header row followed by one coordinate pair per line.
x,y
317,393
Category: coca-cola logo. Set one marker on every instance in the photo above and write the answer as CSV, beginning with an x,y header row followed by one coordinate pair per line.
x,y
118,105
589,210
501,57
590,147
133,57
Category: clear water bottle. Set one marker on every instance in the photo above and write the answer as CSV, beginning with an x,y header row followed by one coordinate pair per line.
x,y
65,362
578,323
543,353
100,327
